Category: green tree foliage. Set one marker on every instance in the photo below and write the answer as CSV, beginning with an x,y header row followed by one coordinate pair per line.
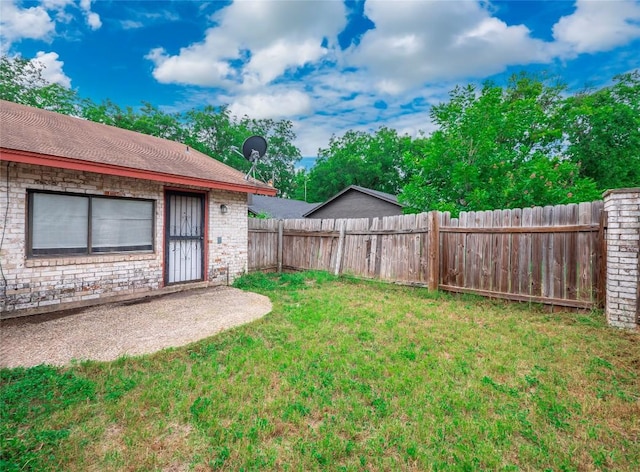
x,y
21,82
212,130
357,158
495,148
603,129
301,180
148,120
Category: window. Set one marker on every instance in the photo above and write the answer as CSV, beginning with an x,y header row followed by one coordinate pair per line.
x,y
79,224
121,225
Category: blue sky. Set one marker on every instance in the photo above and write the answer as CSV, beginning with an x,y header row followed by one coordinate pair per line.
x,y
326,65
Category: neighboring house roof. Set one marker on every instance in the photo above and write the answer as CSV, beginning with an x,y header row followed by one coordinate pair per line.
x,y
279,207
34,136
387,197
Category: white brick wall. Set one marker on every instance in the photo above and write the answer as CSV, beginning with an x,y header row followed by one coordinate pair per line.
x,y
39,284
228,237
623,253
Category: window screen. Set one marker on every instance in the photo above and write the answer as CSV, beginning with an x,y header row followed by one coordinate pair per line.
x,y
59,224
121,225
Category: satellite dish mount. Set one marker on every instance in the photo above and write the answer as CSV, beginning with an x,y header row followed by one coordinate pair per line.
x,y
253,149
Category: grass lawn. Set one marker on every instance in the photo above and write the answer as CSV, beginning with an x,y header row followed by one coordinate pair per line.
x,y
344,375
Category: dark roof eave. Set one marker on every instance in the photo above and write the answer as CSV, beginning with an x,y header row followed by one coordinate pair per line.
x,y
377,194
26,157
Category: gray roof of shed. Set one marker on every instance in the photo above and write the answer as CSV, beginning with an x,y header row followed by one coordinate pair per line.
x,y
387,197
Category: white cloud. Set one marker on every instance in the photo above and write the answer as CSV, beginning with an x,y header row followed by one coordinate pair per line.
x,y
312,134
52,72
278,104
414,43
58,8
131,24
192,66
159,15
269,38
357,112
39,21
56,4
92,18
23,23
598,26
269,63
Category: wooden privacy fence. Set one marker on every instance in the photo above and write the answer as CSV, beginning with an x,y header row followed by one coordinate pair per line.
x,y
552,255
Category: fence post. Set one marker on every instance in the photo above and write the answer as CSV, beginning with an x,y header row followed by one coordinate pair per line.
x,y
601,262
280,238
343,228
433,227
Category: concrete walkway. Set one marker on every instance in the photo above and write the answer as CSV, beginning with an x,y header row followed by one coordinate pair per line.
x,y
109,331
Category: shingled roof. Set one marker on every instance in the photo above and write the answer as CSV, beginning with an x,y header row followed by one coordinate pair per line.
x,y
278,207
34,136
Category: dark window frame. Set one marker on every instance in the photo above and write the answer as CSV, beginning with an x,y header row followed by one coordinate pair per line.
x,y
88,251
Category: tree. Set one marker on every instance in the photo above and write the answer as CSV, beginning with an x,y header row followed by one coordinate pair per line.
x,y
21,81
216,133
212,131
357,158
495,148
603,131
301,179
282,155
149,120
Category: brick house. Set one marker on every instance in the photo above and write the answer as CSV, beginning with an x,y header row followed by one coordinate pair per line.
x,y
92,213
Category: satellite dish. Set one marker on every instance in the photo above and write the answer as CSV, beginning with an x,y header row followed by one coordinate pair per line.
x,y
254,147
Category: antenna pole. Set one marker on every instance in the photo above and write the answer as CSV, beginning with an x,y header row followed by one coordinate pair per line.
x,y
255,156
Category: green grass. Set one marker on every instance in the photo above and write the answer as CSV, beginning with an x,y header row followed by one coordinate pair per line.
x,y
344,375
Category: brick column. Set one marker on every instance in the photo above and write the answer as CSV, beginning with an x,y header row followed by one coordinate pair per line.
x,y
623,257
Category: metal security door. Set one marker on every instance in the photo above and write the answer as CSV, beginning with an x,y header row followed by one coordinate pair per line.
x,y
184,249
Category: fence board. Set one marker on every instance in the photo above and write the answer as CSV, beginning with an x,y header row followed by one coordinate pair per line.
x,y
496,250
374,254
571,250
447,253
524,254
536,254
547,254
461,251
486,250
514,259
596,252
427,241
557,266
470,253
584,278
505,258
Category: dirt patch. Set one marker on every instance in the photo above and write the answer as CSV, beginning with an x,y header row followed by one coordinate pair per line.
x,y
107,332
